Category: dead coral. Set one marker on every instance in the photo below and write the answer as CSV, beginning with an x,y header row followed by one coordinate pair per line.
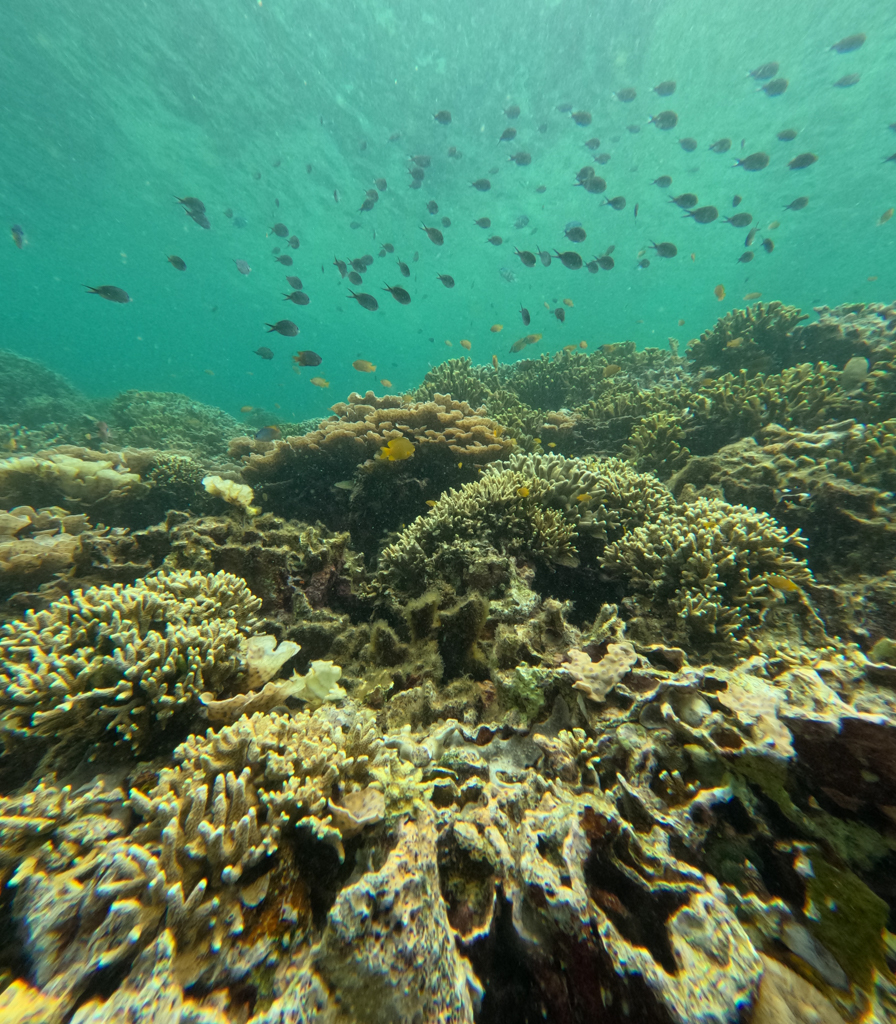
x,y
111,663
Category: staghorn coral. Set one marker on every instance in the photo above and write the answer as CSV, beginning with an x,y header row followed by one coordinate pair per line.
x,y
700,573
757,339
538,506
109,664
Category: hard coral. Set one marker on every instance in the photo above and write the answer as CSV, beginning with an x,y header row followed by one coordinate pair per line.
x,y
756,339
109,664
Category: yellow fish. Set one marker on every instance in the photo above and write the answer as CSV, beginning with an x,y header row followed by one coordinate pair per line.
x,y
583,497
397,450
364,366
782,583
612,370
464,343
495,361
551,444
523,492
752,295
431,503
583,344
448,343
386,383
568,302
719,292
885,216
320,382
496,328
735,343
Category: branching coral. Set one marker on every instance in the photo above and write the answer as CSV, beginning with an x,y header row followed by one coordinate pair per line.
x,y
110,663
701,572
757,338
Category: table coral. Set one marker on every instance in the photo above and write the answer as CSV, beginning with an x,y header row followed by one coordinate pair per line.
x,y
110,664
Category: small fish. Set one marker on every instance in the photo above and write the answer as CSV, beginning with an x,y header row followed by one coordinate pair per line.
x,y
443,117
386,383
481,184
750,296
560,314
508,275
574,234
110,293
745,257
404,268
604,158
495,240
681,323
446,279
432,206
519,345
397,450
664,181
768,244
570,260
465,343
264,352
483,222
625,95
294,282
285,260
293,242
285,327
521,159
850,43
764,71
606,262
545,258
568,302
643,264
753,162
320,382
719,292
191,203
751,235
18,235
541,189
228,213
581,117
521,222
364,366
611,370
434,235
270,433
617,202
782,583
340,266
853,375
249,408
736,201
775,87
524,314
665,120
513,112
336,195
846,81
243,267
664,88
298,297
703,214
305,357
636,209
523,492
801,161
665,249
177,263
496,328
526,258
354,277
688,144
787,135
721,146
798,204
365,300
397,293
885,216
686,200
280,230
740,220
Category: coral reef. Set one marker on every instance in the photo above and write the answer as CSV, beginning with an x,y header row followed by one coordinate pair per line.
x,y
115,664
166,420
34,395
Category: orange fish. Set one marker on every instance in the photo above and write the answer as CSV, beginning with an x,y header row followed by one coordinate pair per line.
x,y
495,362
495,328
583,344
568,302
319,382
752,295
464,343
885,216
719,292
529,339
247,408
386,383
873,277
693,256
211,373
364,366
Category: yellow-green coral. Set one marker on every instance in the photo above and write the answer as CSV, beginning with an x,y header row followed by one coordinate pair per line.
x,y
110,664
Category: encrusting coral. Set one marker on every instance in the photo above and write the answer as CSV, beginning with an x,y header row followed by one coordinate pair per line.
x,y
113,664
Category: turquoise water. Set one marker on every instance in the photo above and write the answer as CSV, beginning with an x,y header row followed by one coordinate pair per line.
x,y
110,110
